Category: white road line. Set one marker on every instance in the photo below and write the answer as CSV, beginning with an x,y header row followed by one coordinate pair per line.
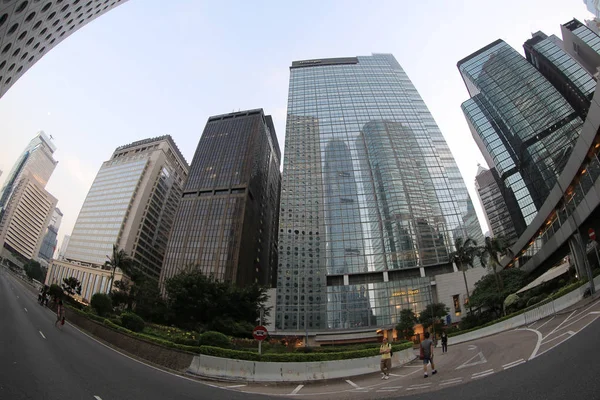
x,y
540,327
558,337
468,363
235,386
354,385
386,390
537,345
393,387
570,336
419,387
482,376
483,372
513,364
576,321
97,397
451,381
42,334
559,325
594,312
297,389
25,309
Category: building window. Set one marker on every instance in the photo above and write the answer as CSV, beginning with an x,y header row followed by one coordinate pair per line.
x,y
456,301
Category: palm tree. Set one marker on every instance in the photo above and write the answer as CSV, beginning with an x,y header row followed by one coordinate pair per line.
x,y
119,259
492,250
463,256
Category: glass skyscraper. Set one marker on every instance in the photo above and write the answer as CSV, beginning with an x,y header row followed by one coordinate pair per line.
x,y
523,125
371,200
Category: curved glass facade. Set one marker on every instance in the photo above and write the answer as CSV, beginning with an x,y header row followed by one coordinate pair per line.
x,y
371,200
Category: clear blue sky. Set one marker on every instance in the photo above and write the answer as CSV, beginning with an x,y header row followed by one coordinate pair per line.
x,y
152,67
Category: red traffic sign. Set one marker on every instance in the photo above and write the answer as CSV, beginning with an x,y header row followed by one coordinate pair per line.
x,y
260,333
592,234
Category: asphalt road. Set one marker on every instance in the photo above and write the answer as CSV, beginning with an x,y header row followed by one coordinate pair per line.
x,y
66,364
39,361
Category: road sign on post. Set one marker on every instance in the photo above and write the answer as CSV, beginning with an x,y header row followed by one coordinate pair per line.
x,y
592,234
260,333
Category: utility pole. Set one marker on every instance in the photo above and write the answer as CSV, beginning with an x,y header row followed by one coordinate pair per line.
x,y
260,322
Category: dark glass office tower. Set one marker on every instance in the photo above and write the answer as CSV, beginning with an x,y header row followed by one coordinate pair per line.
x,y
523,125
226,224
372,199
547,55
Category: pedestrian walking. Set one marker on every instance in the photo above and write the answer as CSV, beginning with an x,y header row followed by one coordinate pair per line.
x,y
60,314
427,354
444,342
386,359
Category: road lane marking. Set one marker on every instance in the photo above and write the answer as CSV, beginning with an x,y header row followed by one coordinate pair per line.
x,y
393,387
42,334
559,325
386,390
25,309
451,381
537,345
468,363
354,385
540,327
558,337
97,398
297,389
576,321
234,386
471,347
594,312
419,387
513,364
482,374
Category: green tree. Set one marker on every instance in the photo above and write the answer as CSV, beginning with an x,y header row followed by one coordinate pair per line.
x,y
196,301
102,303
432,315
486,294
464,256
34,270
406,325
118,259
71,286
490,253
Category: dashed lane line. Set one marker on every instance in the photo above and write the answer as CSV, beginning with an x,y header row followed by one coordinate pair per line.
x,y
42,334
97,397
513,364
451,381
295,391
25,309
482,374
419,387
235,386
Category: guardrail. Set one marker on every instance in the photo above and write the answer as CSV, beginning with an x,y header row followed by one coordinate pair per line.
x,y
257,371
529,317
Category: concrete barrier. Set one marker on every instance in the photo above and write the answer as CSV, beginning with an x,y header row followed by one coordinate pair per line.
x,y
256,371
529,317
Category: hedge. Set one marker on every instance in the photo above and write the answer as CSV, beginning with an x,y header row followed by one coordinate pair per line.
x,y
254,356
565,290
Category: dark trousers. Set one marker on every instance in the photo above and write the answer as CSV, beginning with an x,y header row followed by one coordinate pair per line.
x,y
444,347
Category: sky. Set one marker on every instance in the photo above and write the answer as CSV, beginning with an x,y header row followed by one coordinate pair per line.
x,y
146,69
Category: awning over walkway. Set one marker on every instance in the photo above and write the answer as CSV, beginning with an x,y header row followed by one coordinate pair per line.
x,y
547,276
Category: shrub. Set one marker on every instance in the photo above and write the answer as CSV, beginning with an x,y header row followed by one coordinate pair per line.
x,y
55,291
132,322
215,339
102,304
